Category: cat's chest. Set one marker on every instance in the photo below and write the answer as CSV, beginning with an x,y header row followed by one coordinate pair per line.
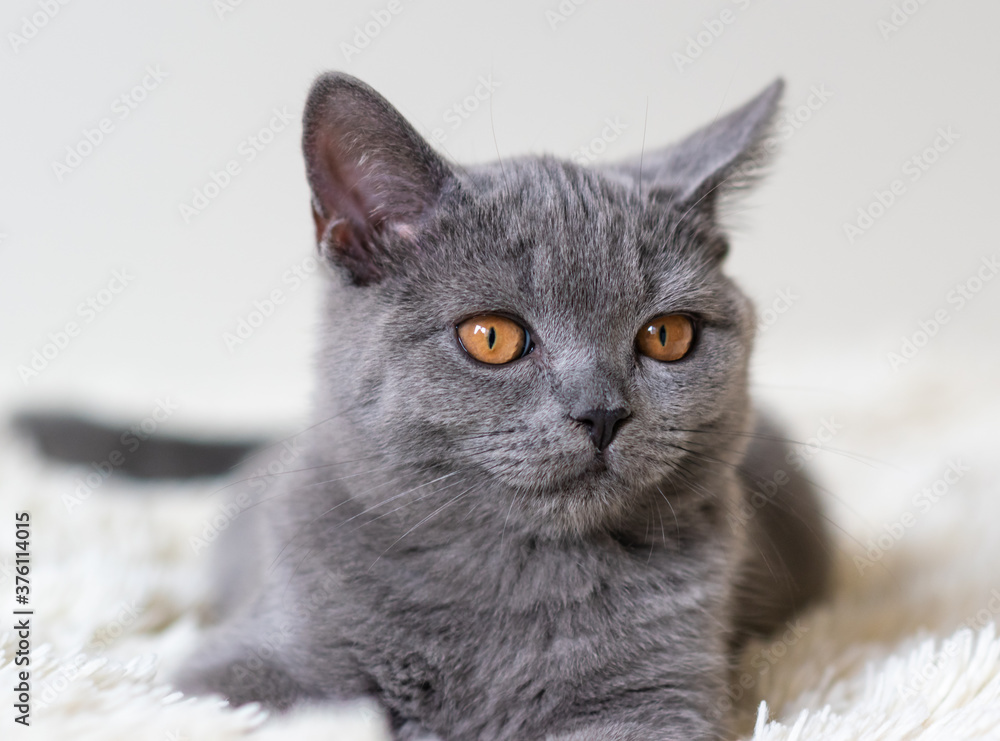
x,y
532,631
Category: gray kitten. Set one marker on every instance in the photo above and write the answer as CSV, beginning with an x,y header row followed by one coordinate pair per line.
x,y
526,509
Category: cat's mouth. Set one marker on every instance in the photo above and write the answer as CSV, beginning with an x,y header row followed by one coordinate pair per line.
x,y
576,472
607,472
599,463
598,468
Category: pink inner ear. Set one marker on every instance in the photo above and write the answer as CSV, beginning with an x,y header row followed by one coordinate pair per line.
x,y
337,182
370,172
350,245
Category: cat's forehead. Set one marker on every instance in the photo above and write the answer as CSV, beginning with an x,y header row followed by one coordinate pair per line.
x,y
543,195
570,236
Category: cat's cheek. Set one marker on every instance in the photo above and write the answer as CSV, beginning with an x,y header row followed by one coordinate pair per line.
x,y
509,388
677,396
665,383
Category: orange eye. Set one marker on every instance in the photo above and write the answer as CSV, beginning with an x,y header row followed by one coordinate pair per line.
x,y
666,338
493,339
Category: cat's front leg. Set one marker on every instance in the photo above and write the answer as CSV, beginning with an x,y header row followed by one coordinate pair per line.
x,y
243,680
261,660
676,730
659,717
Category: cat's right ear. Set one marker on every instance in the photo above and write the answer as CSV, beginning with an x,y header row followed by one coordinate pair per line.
x,y
373,177
724,156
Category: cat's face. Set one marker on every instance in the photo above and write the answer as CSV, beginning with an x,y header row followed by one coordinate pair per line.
x,y
581,262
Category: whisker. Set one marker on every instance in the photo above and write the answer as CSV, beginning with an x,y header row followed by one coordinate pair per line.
x,y
815,508
756,480
788,441
261,451
509,510
432,514
676,523
365,511
271,474
395,509
646,535
301,529
496,145
642,148
753,542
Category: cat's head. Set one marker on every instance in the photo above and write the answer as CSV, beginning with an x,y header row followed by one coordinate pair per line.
x,y
562,335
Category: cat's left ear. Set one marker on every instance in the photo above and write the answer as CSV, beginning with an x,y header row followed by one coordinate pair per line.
x,y
374,179
724,155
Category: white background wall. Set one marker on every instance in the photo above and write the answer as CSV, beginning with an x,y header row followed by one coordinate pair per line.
x,y
556,81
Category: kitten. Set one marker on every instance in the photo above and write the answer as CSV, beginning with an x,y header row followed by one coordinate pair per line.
x,y
524,508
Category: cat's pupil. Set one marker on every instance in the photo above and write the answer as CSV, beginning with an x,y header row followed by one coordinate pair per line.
x,y
491,338
663,335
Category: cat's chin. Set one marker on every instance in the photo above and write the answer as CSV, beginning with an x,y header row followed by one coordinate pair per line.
x,y
577,514
598,474
593,498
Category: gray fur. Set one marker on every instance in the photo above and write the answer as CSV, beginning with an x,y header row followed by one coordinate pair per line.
x,y
453,545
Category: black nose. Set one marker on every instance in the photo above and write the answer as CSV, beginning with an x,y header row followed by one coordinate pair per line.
x,y
603,424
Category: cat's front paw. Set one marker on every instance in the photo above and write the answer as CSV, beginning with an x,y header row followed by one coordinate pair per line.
x,y
243,679
623,731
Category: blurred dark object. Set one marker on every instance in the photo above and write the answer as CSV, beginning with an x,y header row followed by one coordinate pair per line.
x,y
71,438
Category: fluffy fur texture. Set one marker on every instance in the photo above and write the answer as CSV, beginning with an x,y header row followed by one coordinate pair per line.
x,y
455,547
905,651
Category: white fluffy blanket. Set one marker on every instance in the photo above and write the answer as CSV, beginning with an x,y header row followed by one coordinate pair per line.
x,y
905,648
